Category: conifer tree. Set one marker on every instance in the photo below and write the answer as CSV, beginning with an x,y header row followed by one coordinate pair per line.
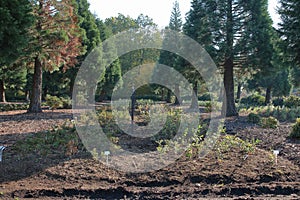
x,y
56,42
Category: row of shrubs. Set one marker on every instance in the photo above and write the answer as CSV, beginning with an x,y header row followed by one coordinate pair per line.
x,y
272,122
259,100
10,107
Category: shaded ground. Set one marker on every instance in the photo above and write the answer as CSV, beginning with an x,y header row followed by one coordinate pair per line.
x,y
56,175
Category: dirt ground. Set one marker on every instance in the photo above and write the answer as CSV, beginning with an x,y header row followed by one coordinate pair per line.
x,y
56,176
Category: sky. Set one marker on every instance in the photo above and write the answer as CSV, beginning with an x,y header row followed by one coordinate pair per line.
x,y
158,10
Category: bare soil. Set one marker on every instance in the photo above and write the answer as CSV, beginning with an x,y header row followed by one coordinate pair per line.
x,y
57,176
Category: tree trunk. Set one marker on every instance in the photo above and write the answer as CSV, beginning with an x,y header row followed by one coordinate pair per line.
x,y
2,92
163,94
229,108
268,95
194,104
177,95
27,96
168,96
36,95
239,91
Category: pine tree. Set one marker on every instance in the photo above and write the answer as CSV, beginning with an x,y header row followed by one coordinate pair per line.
x,y
168,58
16,18
56,42
290,28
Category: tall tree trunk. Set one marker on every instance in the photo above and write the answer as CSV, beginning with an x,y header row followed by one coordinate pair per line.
x,y
268,95
163,94
2,91
36,95
168,96
177,95
229,104
239,91
194,104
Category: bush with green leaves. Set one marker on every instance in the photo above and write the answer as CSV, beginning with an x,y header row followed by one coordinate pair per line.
x,y
292,101
254,118
11,107
269,122
295,134
254,100
278,101
55,102
60,140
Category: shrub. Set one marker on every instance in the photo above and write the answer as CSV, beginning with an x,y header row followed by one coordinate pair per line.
x,y
278,102
269,122
292,101
53,102
11,107
254,118
296,130
204,97
254,99
66,102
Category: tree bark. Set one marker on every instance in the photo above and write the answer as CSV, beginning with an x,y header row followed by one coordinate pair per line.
x,y
194,104
36,95
177,95
229,108
2,91
268,95
168,96
239,91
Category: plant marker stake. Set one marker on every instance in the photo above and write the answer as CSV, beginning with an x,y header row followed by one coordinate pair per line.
x,y
276,152
1,151
107,153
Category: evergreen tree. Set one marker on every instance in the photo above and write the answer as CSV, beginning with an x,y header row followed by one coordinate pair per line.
x,y
16,18
56,42
168,58
290,28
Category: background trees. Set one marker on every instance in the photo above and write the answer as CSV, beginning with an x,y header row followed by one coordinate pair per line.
x,y
15,18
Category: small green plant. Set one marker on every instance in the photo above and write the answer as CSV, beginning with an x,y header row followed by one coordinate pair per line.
x,y
295,134
254,100
53,102
229,143
269,122
254,118
292,101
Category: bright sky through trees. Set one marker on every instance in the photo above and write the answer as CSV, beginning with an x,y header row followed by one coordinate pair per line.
x,y
159,10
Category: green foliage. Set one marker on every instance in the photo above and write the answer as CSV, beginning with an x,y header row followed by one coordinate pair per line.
x,y
269,122
296,130
292,101
63,139
289,28
230,143
277,101
55,102
16,18
11,107
253,100
254,118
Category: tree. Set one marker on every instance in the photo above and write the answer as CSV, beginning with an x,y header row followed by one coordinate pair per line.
x,y
16,18
290,28
168,58
56,42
